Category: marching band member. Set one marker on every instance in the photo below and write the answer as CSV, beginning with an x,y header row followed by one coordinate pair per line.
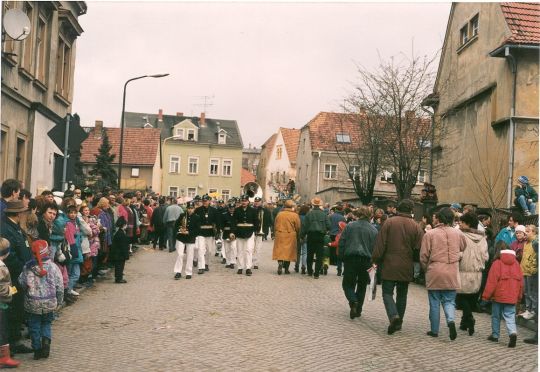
x,y
229,245
245,225
187,227
207,242
264,226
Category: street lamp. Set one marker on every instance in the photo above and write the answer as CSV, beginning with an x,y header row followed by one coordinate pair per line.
x,y
122,124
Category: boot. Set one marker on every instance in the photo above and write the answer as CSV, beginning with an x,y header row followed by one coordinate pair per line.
x,y
472,322
354,309
5,359
280,268
303,270
45,347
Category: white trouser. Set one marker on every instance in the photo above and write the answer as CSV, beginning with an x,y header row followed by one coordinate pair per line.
x,y
196,249
245,252
207,247
180,258
230,251
257,249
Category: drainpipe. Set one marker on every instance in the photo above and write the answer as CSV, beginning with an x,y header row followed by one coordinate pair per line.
x,y
318,169
512,130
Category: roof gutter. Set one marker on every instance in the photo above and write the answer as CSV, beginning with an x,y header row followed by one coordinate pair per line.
x,y
501,51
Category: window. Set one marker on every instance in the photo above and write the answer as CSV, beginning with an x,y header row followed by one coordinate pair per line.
x,y
304,146
173,191
386,176
474,26
330,171
222,138
174,164
464,35
271,176
421,176
343,138
225,195
63,68
227,168
283,177
193,165
424,143
279,151
212,191
179,133
134,172
26,61
214,167
191,192
191,135
20,159
41,49
354,171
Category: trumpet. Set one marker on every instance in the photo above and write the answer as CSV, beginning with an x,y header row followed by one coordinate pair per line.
x,y
183,226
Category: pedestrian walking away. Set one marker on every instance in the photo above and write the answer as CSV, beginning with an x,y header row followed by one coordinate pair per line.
x,y
286,230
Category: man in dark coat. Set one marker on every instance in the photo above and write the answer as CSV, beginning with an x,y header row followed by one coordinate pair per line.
x,y
207,233
245,225
398,238
19,254
159,226
315,225
187,227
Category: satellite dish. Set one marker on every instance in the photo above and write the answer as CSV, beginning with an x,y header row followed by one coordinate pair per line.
x,y
16,24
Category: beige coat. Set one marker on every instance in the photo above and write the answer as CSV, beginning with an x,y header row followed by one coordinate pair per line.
x,y
286,230
441,251
473,261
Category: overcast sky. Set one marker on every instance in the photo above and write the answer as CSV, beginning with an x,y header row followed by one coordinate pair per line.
x,y
263,65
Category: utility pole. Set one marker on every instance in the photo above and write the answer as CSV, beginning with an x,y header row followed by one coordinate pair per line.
x,y
66,153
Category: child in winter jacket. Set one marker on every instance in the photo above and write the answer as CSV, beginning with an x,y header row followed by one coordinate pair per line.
x,y
73,236
518,244
6,292
120,250
44,292
504,288
529,267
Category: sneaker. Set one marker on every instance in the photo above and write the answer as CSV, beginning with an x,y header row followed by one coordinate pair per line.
x,y
523,314
429,333
492,339
73,293
513,339
528,315
526,213
177,276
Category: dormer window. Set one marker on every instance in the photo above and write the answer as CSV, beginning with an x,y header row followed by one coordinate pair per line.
x,y
179,133
343,138
191,135
222,138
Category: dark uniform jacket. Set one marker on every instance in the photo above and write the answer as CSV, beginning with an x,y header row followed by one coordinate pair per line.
x,y
266,220
226,224
193,226
209,220
246,222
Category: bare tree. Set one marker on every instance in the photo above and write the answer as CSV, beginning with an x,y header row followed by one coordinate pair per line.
x,y
392,95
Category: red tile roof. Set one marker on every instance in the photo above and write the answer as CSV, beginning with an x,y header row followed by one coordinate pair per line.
x,y
140,145
523,19
269,143
291,137
324,127
246,176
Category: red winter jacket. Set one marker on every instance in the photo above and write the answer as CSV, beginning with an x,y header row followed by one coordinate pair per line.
x,y
505,280
335,243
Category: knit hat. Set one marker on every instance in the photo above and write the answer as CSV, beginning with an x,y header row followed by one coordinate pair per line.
x,y
4,246
523,179
40,249
508,251
520,228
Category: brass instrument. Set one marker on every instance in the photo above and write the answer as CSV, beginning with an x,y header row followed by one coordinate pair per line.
x,y
183,226
261,219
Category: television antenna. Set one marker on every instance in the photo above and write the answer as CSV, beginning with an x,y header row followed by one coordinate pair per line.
x,y
207,103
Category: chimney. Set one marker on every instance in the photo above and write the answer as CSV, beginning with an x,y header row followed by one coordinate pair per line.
x,y
98,128
179,114
203,120
160,115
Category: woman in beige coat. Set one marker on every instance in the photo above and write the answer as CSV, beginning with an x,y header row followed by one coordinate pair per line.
x,y
471,266
286,230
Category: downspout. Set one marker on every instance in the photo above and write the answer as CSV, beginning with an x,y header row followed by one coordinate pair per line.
x,y
512,129
318,169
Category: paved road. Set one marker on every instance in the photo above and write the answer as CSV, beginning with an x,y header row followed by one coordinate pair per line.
x,y
222,321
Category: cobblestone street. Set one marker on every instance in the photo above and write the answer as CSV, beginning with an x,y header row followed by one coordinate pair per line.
x,y
222,321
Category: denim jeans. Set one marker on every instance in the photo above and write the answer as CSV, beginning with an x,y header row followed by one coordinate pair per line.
x,y
303,254
395,308
356,279
508,312
531,292
446,298
39,325
525,205
74,272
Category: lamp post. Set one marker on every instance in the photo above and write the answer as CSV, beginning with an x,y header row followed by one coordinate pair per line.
x,y
122,124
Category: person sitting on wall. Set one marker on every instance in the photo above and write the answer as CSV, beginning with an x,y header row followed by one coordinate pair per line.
x,y
526,196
